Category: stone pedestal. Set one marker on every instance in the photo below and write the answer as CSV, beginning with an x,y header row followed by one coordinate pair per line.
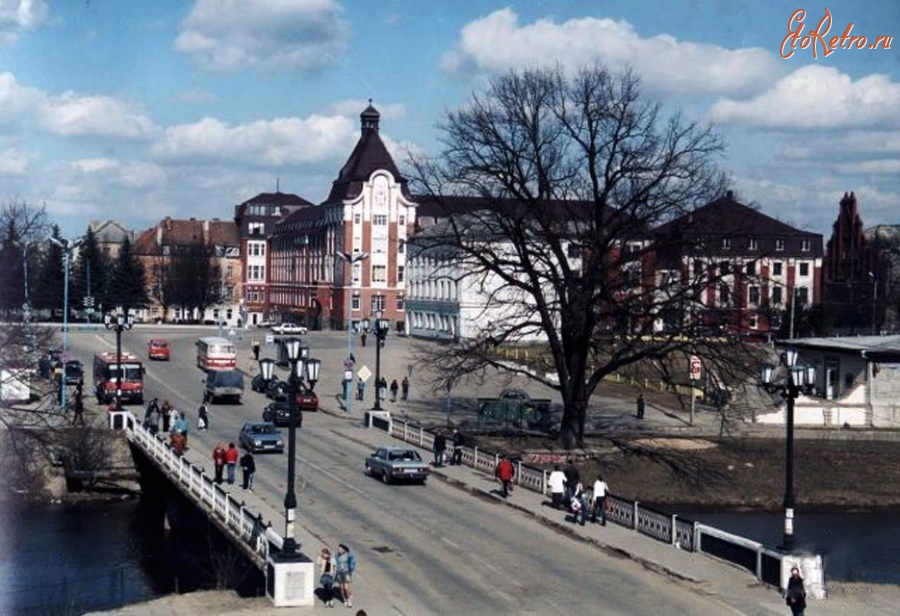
x,y
379,419
290,580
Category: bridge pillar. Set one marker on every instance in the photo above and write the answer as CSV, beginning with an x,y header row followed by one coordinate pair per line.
x,y
290,580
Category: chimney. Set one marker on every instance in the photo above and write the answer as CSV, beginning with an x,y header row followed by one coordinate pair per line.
x,y
729,194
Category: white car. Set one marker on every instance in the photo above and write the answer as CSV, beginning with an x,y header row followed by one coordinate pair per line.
x,y
289,328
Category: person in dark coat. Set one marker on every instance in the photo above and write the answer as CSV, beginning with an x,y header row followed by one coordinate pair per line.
x,y
394,388
640,406
404,387
795,595
248,468
219,461
458,442
202,417
439,447
573,478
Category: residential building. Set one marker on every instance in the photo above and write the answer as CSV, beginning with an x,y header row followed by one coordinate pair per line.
x,y
255,219
110,236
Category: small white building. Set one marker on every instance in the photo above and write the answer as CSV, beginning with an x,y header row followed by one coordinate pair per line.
x,y
857,382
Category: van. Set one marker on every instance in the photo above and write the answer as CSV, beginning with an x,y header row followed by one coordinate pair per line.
x,y
220,384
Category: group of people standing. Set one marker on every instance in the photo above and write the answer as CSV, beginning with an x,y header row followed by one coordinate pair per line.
x,y
173,422
439,448
568,492
336,571
381,389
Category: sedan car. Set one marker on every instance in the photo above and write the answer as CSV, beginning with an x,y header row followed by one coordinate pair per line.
x,y
289,328
397,464
277,389
258,383
261,436
74,372
158,349
279,413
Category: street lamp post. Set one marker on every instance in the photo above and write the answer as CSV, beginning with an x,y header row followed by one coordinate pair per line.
x,y
351,259
381,330
266,369
294,349
67,248
799,379
119,321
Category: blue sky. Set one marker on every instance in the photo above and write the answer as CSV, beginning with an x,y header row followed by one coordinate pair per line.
x,y
138,110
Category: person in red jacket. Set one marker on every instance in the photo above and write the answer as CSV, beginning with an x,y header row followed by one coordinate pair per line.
x,y
506,471
231,459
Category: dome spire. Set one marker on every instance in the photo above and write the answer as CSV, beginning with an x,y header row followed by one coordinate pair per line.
x,y
369,117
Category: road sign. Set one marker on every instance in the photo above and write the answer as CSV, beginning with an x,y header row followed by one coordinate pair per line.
x,y
696,368
364,374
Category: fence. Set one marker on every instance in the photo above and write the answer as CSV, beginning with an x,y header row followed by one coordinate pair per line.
x,y
765,564
193,480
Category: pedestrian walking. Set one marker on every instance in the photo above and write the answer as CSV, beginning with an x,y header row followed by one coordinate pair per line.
x,y
78,417
598,506
153,422
231,460
203,417
362,338
573,478
557,483
439,447
578,504
218,456
795,595
326,579
506,472
255,347
165,412
248,468
360,389
180,427
458,442
640,406
404,388
345,567
394,388
153,406
382,389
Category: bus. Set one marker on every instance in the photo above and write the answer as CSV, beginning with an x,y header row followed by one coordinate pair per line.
x,y
108,368
215,353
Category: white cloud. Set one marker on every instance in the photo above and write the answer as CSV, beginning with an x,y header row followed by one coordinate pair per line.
x,y
814,97
877,167
93,165
498,43
226,35
269,142
17,102
23,14
72,114
13,162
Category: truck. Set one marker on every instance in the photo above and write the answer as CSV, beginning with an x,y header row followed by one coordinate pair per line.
x,y
223,384
108,367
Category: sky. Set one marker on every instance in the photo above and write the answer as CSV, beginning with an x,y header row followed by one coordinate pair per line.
x,y
134,111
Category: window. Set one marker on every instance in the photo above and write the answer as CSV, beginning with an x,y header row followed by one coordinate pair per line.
x,y
354,302
400,272
379,245
776,268
751,268
698,267
379,220
726,244
573,251
357,218
779,245
256,228
357,273
724,268
379,273
724,295
804,269
401,220
753,245
256,272
378,303
753,295
229,271
805,245
777,296
802,296
754,321
399,302
401,246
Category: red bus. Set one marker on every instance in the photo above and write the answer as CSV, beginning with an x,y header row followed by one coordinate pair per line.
x,y
107,369
216,354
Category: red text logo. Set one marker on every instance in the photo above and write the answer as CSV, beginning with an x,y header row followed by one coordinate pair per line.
x,y
819,41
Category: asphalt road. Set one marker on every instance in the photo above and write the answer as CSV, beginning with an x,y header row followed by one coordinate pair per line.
x,y
421,549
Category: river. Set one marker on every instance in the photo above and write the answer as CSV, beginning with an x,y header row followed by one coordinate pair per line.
x,y
856,547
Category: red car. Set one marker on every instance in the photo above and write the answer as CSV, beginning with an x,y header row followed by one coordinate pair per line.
x,y
158,349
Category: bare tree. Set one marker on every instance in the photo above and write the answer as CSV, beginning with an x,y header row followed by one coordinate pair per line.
x,y
551,186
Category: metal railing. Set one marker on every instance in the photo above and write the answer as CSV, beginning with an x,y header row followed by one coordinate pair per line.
x,y
764,563
249,526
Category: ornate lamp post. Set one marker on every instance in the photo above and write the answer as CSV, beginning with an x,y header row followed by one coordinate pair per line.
x,y
293,347
351,259
799,379
67,248
266,369
312,372
119,321
381,331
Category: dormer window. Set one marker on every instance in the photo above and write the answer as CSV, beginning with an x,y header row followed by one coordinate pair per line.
x,y
726,244
779,245
753,244
805,245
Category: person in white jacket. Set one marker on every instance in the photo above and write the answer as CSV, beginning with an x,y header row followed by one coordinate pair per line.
x,y
557,484
599,500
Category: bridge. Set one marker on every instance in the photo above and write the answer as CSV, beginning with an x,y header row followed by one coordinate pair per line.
x,y
289,582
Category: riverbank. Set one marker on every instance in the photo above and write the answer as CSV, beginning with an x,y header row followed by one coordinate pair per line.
x,y
734,474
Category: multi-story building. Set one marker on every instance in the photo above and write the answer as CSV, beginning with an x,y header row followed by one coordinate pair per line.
x,y
217,244
255,219
110,236
344,260
752,264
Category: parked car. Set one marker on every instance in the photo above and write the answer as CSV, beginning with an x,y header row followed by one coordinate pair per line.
x,y
158,349
279,413
276,389
289,328
74,372
396,464
258,383
261,436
